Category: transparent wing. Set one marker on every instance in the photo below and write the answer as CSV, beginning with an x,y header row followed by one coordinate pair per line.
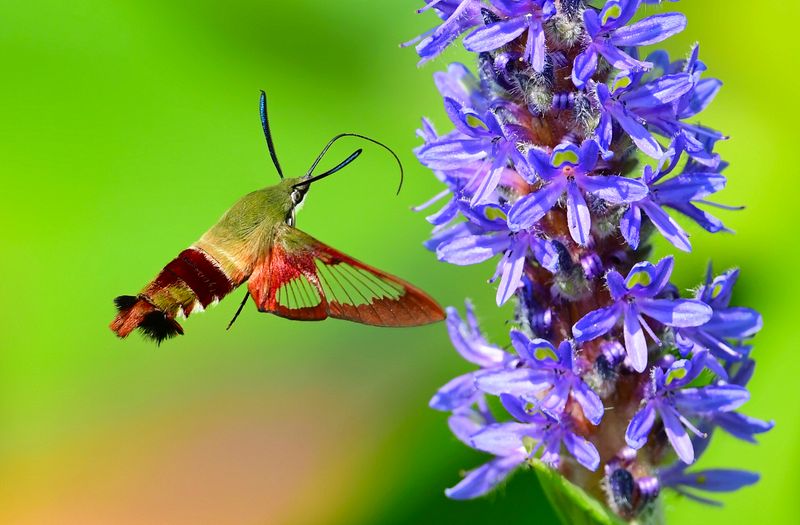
x,y
302,278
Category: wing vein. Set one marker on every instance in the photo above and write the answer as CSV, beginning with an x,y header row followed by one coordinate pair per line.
x,y
367,300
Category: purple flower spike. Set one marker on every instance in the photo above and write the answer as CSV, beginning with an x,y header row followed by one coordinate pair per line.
x,y
542,368
542,178
607,32
631,301
568,170
670,399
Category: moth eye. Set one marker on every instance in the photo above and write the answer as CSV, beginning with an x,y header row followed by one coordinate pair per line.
x,y
297,197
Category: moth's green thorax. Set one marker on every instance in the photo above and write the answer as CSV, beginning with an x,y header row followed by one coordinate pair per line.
x,y
245,232
260,211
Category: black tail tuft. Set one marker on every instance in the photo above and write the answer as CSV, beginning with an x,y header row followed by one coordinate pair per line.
x,y
124,302
139,312
157,326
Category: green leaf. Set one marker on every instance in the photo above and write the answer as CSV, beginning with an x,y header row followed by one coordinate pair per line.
x,y
572,505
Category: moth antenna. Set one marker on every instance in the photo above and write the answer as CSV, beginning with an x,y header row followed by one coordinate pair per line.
x,y
340,135
241,306
333,170
262,108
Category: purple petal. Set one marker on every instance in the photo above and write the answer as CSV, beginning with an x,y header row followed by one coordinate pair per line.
x,y
690,186
677,435
456,393
583,450
630,225
552,448
449,153
604,130
447,213
706,221
501,439
635,344
592,22
660,91
615,189
460,116
639,427
520,342
613,20
643,139
555,401
516,382
520,162
670,229
485,478
718,480
584,66
745,372
495,35
459,19
538,348
619,59
717,346
616,284
511,278
588,154
545,253
533,206
704,92
539,161
516,408
535,46
712,398
471,346
565,353
578,217
489,182
463,426
589,401
742,426
596,323
682,312
457,83
650,30
735,323
659,276
471,249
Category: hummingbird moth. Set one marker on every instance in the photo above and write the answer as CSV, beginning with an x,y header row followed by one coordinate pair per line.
x,y
288,272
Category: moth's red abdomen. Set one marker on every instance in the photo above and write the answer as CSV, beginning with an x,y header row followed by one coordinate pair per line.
x,y
201,273
190,282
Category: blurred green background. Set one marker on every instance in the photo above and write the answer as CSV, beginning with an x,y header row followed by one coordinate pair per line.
x,y
128,127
